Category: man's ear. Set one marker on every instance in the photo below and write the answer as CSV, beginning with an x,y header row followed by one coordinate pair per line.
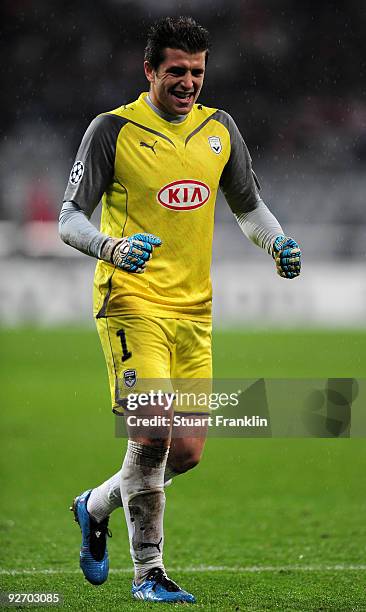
x,y
149,71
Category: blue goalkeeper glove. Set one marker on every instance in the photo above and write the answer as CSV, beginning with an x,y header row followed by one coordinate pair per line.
x,y
287,255
132,253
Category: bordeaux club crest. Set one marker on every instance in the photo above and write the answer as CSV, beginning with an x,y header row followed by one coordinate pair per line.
x,y
215,144
129,378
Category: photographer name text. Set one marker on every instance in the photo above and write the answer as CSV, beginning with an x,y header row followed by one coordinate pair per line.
x,y
179,420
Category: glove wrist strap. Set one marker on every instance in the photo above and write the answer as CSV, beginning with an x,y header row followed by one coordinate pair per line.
x,y
108,249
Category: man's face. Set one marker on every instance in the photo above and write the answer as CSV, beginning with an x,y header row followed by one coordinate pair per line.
x,y
177,82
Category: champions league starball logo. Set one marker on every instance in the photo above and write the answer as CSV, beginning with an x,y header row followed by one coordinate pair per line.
x,y
76,173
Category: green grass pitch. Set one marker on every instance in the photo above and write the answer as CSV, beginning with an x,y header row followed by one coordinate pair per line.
x,y
262,524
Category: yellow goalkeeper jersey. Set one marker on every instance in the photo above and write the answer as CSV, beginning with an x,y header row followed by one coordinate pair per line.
x,y
161,177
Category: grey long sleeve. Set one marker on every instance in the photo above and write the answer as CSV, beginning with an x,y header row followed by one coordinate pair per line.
x,y
241,190
90,176
260,226
76,230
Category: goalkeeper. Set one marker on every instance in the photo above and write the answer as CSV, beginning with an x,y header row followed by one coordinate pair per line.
x,y
156,165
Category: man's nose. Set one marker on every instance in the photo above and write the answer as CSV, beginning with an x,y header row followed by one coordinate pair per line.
x,y
188,81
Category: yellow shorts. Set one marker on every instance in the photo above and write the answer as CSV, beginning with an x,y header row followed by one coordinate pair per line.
x,y
141,350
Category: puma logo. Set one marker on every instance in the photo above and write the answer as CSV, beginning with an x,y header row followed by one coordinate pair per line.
x,y
152,147
143,545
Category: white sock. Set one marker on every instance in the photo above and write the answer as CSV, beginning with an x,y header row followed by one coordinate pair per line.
x,y
143,497
107,497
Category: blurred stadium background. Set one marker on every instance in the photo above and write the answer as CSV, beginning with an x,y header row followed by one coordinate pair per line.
x,y
291,73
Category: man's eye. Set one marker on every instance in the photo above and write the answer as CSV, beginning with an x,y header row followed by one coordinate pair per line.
x,y
181,72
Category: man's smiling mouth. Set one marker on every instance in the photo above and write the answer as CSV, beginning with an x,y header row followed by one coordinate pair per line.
x,y
182,95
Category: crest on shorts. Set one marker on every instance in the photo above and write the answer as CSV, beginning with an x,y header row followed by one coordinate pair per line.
x,y
215,144
129,378
77,172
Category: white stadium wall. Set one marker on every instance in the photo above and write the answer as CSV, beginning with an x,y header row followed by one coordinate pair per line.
x,y
56,291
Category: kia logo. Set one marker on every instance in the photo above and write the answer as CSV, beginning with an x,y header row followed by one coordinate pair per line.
x,y
184,195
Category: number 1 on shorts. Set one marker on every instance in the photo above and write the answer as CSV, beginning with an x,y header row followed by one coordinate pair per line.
x,y
126,354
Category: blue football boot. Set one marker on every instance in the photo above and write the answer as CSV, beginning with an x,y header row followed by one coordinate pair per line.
x,y
158,587
94,560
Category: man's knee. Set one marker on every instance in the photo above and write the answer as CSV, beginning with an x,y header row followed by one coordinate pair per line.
x,y
185,461
152,442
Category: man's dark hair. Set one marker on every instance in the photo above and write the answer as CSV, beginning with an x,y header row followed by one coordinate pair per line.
x,y
176,33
